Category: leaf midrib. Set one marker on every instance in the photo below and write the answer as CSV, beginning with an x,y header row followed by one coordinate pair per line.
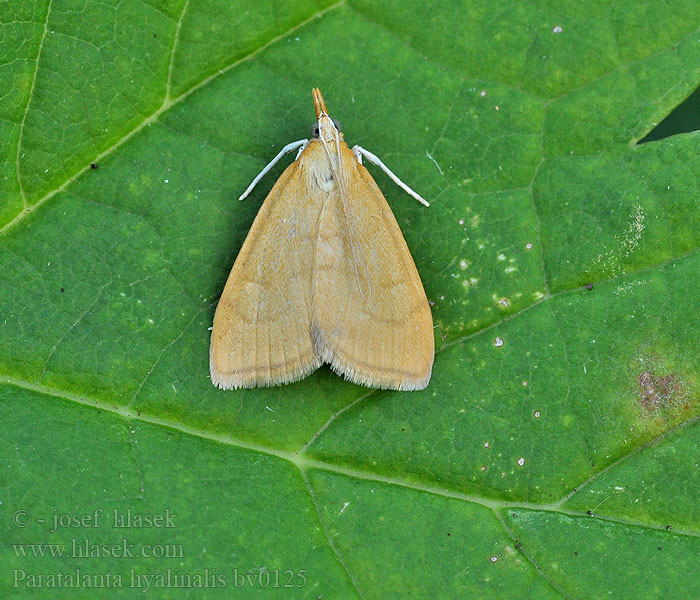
x,y
304,463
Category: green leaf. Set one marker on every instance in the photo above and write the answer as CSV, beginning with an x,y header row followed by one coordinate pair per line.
x,y
554,454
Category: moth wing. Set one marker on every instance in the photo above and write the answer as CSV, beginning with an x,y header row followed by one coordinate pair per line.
x,y
262,326
371,318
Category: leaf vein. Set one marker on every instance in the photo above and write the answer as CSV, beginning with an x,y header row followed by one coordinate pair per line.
x,y
26,108
153,117
329,539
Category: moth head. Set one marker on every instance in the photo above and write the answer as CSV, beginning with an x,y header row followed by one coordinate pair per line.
x,y
327,129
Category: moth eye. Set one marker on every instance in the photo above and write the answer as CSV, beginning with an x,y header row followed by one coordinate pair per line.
x,y
337,124
314,130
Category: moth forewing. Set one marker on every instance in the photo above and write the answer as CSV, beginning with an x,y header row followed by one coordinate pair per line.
x,y
260,335
371,319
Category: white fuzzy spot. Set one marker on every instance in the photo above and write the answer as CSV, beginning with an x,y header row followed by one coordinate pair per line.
x,y
626,287
626,243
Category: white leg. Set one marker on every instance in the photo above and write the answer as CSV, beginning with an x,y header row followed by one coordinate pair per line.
x,y
357,153
301,144
301,148
360,151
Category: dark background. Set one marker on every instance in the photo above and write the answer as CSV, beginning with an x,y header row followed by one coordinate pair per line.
x,y
684,118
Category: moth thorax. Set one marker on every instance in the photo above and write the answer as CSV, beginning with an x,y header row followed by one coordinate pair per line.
x,y
327,130
324,175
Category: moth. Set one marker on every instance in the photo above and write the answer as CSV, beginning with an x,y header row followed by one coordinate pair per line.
x,y
324,276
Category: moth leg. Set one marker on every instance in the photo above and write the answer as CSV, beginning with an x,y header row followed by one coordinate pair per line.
x,y
360,151
357,153
301,144
301,148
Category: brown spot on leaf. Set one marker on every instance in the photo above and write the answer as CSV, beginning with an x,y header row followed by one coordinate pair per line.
x,y
657,391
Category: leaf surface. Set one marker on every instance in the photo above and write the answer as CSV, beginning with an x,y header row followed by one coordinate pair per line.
x,y
553,454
